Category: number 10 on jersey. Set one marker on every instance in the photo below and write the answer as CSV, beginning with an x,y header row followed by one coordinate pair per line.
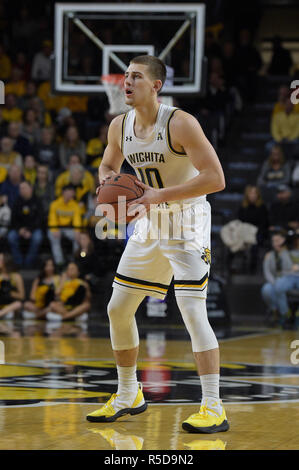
x,y
151,176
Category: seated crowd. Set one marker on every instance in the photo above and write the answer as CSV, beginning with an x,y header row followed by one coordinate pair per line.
x,y
53,296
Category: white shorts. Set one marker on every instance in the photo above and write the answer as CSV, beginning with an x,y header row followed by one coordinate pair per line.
x,y
152,256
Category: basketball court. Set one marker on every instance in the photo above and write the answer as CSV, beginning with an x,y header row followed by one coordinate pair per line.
x,y
54,374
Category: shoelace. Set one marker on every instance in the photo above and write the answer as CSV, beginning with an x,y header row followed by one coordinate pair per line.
x,y
113,396
204,411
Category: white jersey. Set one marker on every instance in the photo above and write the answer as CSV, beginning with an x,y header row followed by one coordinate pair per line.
x,y
177,242
154,160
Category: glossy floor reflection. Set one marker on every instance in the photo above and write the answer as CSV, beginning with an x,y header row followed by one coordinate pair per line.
x,y
55,374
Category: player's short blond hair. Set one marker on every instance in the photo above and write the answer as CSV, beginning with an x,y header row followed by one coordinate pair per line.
x,y
156,67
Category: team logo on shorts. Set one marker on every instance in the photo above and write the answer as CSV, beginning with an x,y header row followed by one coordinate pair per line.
x,y
206,256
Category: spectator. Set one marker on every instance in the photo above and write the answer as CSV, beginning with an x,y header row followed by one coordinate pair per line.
x,y
22,63
43,116
43,190
24,28
276,263
12,292
30,92
3,124
64,120
16,84
249,64
82,185
10,111
41,66
87,261
75,103
212,48
31,128
214,107
295,175
43,289
285,124
21,143
230,64
74,295
10,187
70,145
46,151
26,223
287,282
65,178
96,146
29,169
253,211
282,98
50,102
281,60
8,156
64,221
90,218
274,172
217,97
284,211
5,64
5,216
3,173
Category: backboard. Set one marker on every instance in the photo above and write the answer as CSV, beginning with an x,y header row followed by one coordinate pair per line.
x,y
95,39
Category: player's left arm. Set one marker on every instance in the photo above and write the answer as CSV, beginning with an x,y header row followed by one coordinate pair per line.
x,y
187,135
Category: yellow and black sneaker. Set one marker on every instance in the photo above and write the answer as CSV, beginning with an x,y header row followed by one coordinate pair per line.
x,y
108,413
207,421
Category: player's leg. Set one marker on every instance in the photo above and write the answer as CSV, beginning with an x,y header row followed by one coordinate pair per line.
x,y
125,345
190,262
140,266
212,417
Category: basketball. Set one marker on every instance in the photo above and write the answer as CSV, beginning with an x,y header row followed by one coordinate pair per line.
x,y
117,192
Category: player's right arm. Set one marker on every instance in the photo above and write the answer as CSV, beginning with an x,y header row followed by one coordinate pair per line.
x,y
113,157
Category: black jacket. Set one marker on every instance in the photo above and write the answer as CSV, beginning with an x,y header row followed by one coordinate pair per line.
x,y
27,214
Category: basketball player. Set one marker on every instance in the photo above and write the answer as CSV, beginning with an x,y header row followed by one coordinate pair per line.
x,y
178,167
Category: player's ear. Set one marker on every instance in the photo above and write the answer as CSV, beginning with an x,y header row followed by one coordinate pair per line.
x,y
157,86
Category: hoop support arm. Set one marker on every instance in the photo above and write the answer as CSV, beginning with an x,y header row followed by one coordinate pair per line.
x,y
98,42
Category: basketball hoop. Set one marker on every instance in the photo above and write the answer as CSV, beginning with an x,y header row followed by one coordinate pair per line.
x,y
114,88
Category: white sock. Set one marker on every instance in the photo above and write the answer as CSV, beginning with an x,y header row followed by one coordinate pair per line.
x,y
127,387
210,391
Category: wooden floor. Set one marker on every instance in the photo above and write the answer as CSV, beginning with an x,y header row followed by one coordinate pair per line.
x,y
53,377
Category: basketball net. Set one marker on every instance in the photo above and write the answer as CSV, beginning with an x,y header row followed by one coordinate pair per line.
x,y
114,88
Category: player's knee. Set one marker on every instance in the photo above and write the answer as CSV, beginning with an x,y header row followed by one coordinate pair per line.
x,y
113,311
194,313
189,312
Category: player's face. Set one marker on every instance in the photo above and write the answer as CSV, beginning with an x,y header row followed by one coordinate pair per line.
x,y
138,84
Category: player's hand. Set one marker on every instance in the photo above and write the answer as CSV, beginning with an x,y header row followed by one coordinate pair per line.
x,y
150,197
103,180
